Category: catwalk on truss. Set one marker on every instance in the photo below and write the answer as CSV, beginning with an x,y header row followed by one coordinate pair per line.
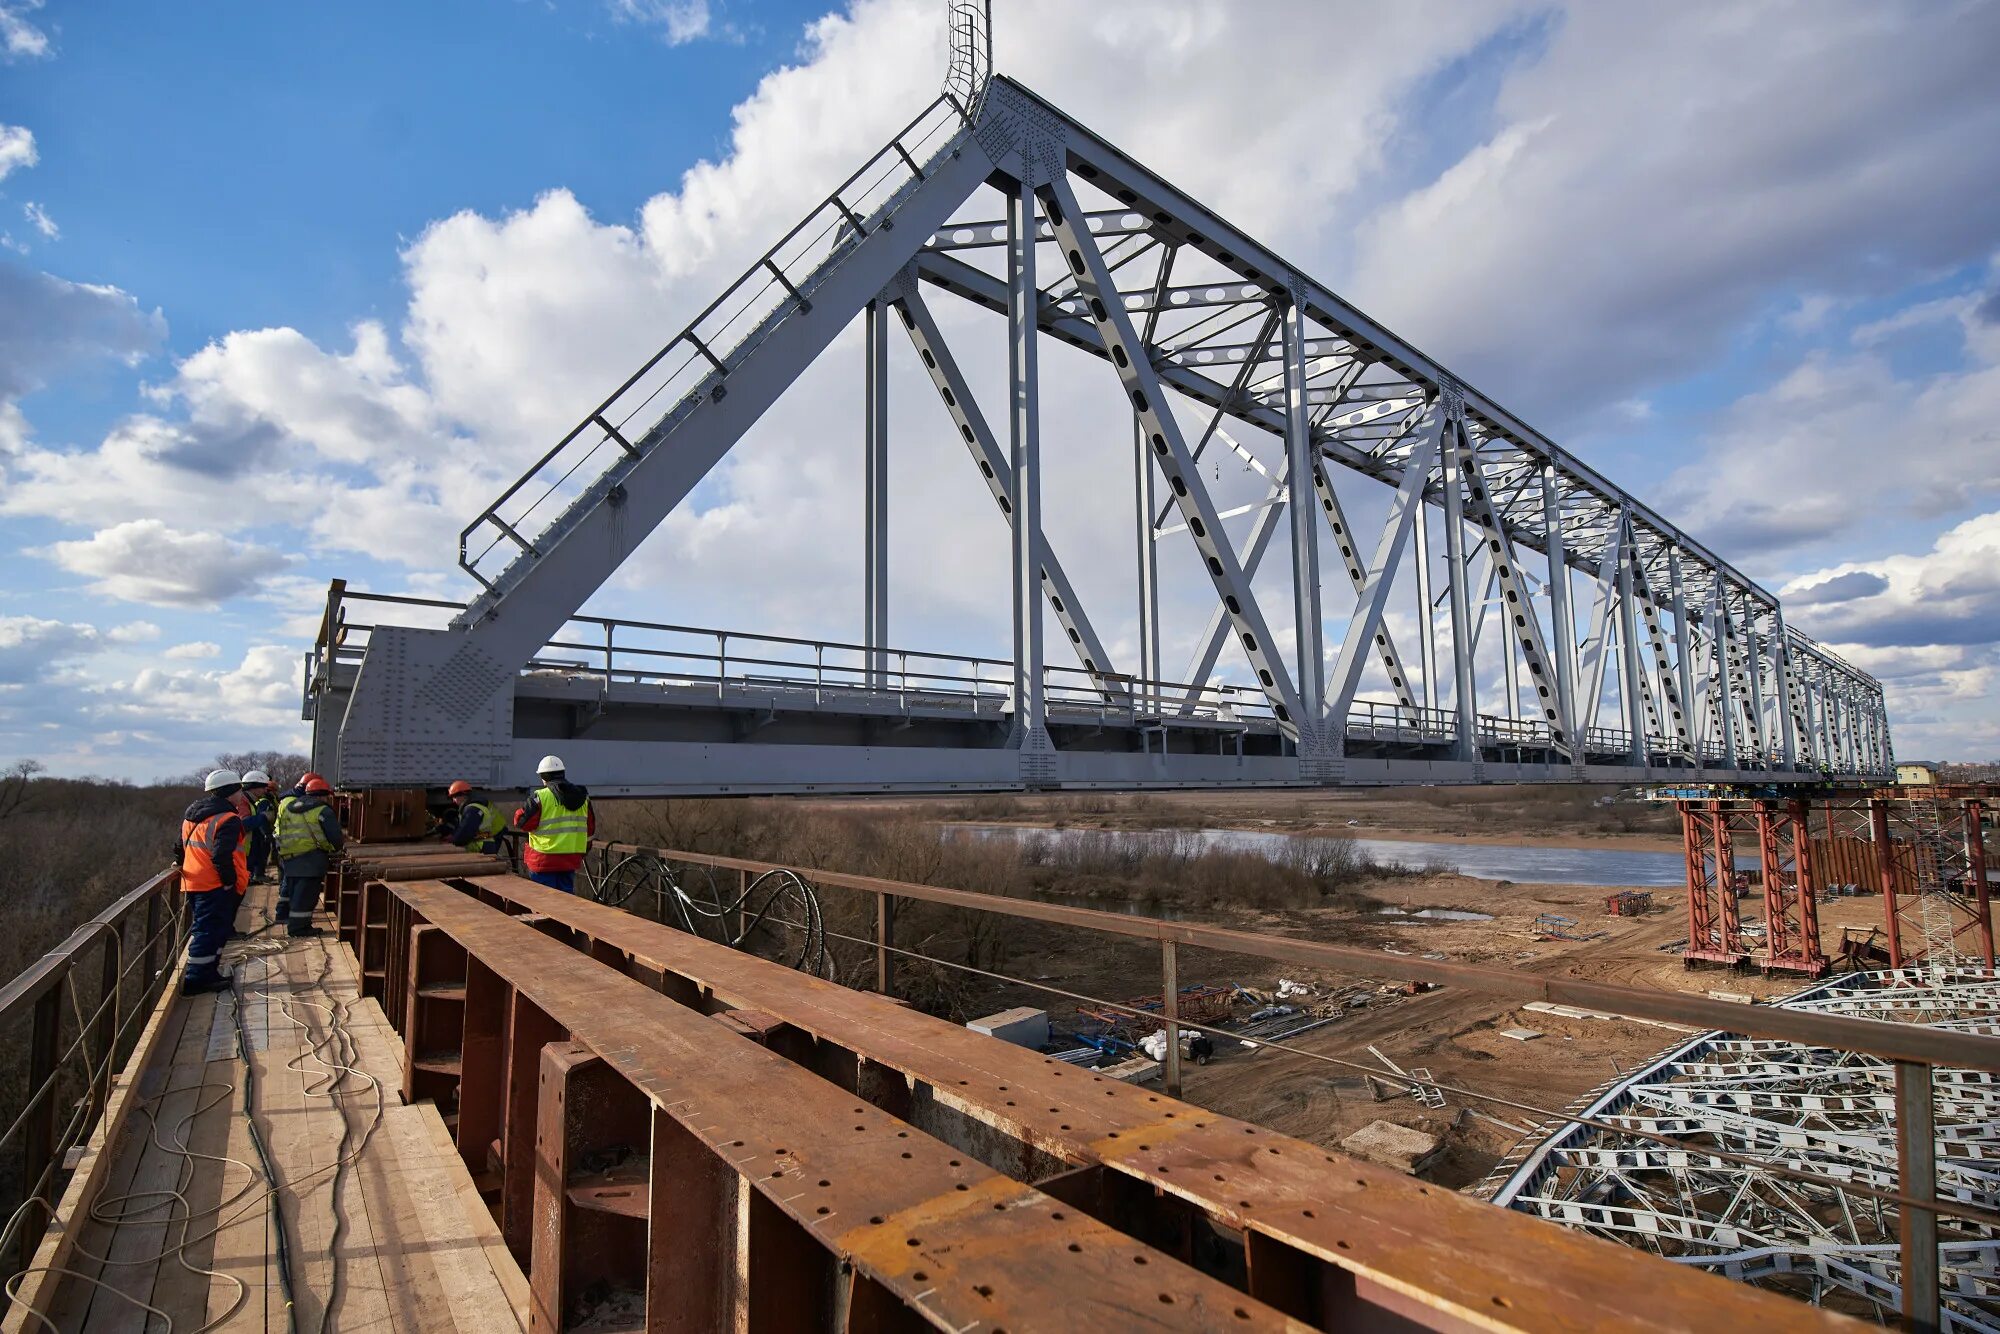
x,y
1628,652
1811,1109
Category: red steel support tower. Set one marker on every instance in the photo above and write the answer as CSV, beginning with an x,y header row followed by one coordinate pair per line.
x,y
1715,932
1791,910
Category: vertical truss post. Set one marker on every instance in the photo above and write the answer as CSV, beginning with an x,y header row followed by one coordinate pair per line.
x,y
1916,1163
1755,672
1603,593
1781,689
1426,611
875,496
1723,694
1030,733
1145,498
1632,692
1451,475
1683,652
1301,453
1562,623
1170,1010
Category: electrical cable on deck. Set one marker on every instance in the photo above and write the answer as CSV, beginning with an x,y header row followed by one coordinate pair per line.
x,y
116,1210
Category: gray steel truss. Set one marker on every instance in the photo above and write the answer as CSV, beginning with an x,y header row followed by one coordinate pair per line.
x,y
1808,1109
1427,489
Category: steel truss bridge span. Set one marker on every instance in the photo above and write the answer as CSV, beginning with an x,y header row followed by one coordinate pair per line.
x,y
1509,615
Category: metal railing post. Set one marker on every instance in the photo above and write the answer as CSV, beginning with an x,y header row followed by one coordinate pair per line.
x,y
111,987
1170,1006
1917,1228
151,964
38,1130
885,940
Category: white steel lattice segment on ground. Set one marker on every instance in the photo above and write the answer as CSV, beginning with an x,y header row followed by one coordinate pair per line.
x,y
1562,629
1830,1113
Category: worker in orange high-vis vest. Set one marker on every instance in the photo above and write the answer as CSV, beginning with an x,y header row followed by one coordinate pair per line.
x,y
214,874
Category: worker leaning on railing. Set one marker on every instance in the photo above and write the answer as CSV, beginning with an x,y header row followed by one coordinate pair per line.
x,y
214,873
559,823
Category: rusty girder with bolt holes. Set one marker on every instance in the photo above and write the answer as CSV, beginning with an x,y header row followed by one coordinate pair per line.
x,y
1313,1235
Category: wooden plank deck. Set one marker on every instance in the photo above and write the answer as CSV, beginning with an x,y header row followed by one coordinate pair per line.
x,y
386,1231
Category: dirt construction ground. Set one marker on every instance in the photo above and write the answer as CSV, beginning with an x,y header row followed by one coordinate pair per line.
x,y
1453,1033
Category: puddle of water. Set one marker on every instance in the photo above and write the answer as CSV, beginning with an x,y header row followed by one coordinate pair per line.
x,y
1438,914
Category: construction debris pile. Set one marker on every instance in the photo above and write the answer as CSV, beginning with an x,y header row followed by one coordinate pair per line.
x,y
1128,1041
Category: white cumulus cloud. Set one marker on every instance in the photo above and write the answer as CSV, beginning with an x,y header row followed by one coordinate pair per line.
x,y
17,148
146,561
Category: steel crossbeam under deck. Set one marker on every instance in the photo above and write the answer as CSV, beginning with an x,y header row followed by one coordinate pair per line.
x,y
1549,626
1207,1199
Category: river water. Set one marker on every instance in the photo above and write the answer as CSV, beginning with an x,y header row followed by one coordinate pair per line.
x,y
1608,867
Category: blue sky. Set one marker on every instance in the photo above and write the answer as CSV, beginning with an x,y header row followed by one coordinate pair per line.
x,y
287,289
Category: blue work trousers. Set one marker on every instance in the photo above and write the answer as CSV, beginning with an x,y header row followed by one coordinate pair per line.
x,y
299,899
212,913
562,880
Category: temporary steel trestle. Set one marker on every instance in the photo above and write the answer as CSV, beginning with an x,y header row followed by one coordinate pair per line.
x,y
1922,849
676,1135
1564,631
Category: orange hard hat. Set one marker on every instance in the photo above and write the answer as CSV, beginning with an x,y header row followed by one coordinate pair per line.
x,y
309,777
316,785
460,787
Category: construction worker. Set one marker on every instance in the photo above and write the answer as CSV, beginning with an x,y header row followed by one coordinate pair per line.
x,y
559,823
262,821
213,874
479,822
308,835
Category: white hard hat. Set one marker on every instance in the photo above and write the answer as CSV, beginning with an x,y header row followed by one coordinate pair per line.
x,y
221,778
551,764
256,776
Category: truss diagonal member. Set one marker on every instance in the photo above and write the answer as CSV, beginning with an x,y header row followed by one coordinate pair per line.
x,y
977,435
1365,624
1163,433
1202,665
1350,560
1604,598
1517,612
1663,667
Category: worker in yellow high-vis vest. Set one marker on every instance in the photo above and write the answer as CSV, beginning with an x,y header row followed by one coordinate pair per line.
x,y
559,823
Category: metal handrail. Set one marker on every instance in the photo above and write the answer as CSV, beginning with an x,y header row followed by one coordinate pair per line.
x,y
829,230
929,678
129,982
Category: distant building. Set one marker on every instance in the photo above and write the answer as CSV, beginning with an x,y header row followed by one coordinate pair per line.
x,y
1916,773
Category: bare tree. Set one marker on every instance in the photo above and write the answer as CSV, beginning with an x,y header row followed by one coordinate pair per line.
x,y
14,785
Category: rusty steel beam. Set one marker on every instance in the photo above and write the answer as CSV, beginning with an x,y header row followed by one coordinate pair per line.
x,y
1283,1216
785,1203
1889,1041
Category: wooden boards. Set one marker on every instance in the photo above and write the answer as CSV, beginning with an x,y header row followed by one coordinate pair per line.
x,y
373,1196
